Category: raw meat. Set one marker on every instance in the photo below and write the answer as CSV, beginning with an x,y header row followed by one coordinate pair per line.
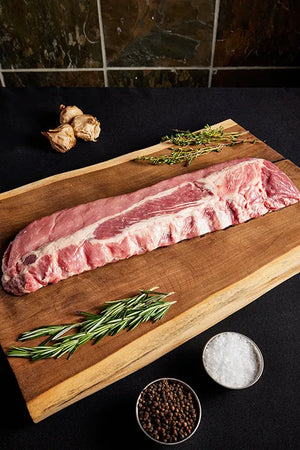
x,y
91,235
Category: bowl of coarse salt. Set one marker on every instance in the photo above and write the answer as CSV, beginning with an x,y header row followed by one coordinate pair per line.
x,y
233,360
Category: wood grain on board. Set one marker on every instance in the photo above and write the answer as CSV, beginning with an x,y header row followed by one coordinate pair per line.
x,y
212,276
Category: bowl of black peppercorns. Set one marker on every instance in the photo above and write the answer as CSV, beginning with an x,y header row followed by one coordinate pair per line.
x,y
168,411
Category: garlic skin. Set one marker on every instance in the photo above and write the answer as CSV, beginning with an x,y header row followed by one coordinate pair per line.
x,y
67,113
86,127
61,138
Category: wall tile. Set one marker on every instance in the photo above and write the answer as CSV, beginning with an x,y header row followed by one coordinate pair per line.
x,y
158,78
158,32
256,32
257,78
49,33
62,79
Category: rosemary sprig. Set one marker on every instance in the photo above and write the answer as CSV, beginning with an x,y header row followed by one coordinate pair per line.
x,y
114,316
190,145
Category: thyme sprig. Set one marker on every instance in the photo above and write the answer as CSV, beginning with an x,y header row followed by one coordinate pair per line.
x,y
190,145
205,136
114,316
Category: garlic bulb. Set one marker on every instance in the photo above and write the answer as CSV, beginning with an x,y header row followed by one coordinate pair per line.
x,y
86,127
61,138
67,113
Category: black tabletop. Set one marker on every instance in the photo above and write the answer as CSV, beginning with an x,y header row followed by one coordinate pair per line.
x,y
264,416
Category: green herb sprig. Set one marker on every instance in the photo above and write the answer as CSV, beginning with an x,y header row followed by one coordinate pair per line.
x,y
190,145
114,316
205,136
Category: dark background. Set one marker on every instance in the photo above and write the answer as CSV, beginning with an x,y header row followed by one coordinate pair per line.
x,y
265,416
154,43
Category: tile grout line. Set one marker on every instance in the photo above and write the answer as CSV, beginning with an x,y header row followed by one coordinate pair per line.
x,y
117,68
213,42
2,81
102,43
56,69
199,67
255,67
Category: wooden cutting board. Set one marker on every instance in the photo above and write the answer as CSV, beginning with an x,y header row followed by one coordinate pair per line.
x,y
212,276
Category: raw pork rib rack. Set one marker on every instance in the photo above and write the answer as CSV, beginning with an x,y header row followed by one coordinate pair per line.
x,y
91,235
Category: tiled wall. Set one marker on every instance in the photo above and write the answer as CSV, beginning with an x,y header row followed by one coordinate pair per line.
x,y
150,43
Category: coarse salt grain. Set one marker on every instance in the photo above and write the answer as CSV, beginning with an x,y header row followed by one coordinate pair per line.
x,y
231,360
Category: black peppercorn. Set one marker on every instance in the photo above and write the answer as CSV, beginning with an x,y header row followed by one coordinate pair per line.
x,y
168,411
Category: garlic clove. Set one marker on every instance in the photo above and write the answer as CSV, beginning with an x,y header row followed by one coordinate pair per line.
x,y
86,127
61,138
67,113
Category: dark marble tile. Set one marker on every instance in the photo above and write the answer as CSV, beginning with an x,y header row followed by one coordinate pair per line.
x,y
158,78
158,32
257,78
256,32
49,33
61,79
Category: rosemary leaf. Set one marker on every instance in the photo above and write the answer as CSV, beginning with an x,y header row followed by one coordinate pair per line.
x,y
114,317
